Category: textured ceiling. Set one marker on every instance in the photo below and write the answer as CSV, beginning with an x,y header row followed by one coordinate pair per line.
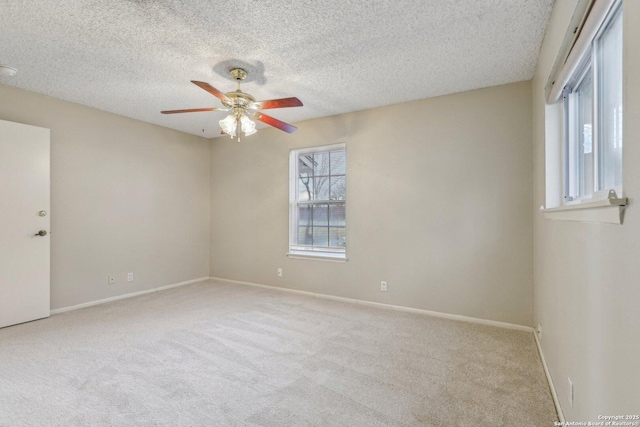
x,y
137,57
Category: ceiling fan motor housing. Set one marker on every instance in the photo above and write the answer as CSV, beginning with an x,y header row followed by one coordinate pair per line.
x,y
238,99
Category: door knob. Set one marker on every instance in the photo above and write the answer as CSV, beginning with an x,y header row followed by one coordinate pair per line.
x,y
41,233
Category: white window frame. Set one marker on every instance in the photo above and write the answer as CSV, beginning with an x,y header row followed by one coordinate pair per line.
x,y
310,252
590,63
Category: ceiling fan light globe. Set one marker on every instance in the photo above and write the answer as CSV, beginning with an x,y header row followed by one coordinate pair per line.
x,y
248,127
228,125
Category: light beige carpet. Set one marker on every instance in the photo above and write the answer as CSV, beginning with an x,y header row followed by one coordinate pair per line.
x,y
214,354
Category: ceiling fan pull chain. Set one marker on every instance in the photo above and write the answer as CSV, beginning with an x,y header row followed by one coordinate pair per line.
x,y
238,120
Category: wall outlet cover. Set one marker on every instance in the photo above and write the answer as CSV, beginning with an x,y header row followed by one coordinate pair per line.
x,y
129,277
383,286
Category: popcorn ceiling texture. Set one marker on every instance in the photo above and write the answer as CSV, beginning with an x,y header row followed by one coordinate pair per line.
x,y
136,58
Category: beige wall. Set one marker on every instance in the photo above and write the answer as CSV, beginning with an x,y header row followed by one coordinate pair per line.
x,y
587,276
439,205
126,197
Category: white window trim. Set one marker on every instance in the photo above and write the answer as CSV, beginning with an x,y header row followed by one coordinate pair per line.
x,y
609,210
318,256
295,251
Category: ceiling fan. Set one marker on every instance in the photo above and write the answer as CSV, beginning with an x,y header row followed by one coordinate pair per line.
x,y
242,106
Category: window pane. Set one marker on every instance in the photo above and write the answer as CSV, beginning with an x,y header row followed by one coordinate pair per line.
x,y
305,164
337,162
609,58
305,236
320,215
320,236
305,188
585,141
337,215
321,188
321,162
579,119
337,237
304,215
338,188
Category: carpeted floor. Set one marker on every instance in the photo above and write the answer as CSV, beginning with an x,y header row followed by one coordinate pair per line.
x,y
214,354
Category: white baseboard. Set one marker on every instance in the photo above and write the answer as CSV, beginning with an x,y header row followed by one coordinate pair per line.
x,y
131,295
389,306
552,387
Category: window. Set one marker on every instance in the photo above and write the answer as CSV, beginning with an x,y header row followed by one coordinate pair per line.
x,y
593,116
318,201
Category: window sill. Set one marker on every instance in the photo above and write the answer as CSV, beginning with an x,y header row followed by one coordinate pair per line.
x,y
606,211
338,257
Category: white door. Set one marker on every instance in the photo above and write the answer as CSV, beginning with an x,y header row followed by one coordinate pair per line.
x,y
24,212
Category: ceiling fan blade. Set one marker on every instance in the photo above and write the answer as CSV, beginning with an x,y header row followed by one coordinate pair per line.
x,y
193,110
273,121
276,103
212,90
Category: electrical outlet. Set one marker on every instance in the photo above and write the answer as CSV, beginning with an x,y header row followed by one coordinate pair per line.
x,y
129,277
279,272
112,279
539,330
383,286
570,392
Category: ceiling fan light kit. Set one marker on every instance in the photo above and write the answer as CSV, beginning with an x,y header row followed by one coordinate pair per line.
x,y
242,106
